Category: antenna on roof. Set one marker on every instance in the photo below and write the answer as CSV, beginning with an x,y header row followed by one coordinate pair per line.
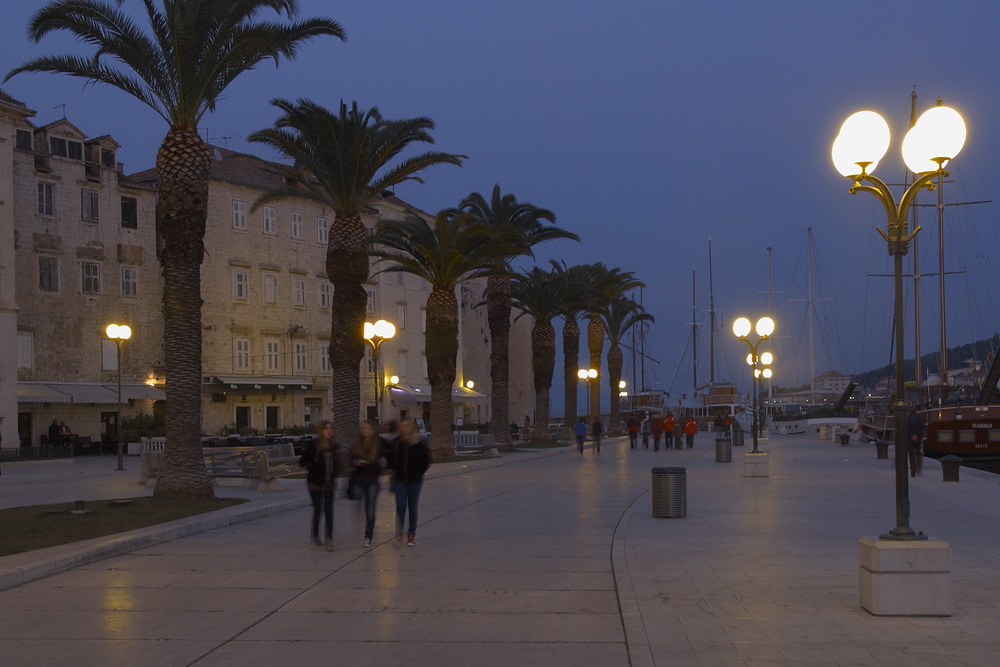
x,y
63,105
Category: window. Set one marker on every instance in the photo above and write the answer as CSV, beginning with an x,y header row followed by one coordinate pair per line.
x,y
401,279
46,199
300,357
400,315
130,281
75,150
324,357
130,212
108,157
241,354
90,277
241,285
299,291
270,224
109,355
25,350
89,209
239,214
322,230
24,141
48,274
370,303
324,294
272,355
401,363
270,288
369,359
423,364
423,320
296,225
57,146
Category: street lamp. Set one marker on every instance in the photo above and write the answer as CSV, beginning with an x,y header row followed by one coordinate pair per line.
x,y
764,328
761,374
931,143
469,384
376,334
119,333
589,375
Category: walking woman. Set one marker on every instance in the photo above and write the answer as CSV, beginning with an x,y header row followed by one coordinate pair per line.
x,y
320,459
409,459
366,457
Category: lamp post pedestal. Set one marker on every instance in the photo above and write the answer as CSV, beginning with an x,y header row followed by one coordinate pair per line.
x,y
905,577
756,464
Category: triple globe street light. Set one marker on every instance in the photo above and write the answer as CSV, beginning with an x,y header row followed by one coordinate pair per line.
x,y
764,328
937,137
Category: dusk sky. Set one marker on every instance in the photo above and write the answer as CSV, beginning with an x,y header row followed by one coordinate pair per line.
x,y
648,128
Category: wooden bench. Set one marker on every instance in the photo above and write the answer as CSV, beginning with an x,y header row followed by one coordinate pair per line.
x,y
475,443
253,467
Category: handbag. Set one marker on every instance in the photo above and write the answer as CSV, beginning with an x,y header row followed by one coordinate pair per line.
x,y
354,488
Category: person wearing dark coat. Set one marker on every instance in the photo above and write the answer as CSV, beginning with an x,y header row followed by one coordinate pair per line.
x,y
321,459
366,457
596,430
409,459
915,428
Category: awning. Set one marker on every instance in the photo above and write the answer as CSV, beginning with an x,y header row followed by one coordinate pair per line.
x,y
264,382
83,392
422,392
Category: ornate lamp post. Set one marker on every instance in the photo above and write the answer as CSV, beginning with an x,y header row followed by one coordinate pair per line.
x,y
764,328
937,137
119,333
376,334
761,374
589,375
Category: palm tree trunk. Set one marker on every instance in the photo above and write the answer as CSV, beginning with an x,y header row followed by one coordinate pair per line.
x,y
615,360
498,315
595,344
347,269
571,365
543,363
441,345
183,163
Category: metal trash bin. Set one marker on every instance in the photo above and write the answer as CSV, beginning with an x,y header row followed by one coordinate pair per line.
x,y
737,437
882,446
669,492
949,467
723,450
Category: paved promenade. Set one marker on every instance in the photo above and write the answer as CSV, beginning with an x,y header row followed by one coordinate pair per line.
x,y
536,559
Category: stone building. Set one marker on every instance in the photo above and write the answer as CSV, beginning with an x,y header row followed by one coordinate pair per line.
x,y
84,250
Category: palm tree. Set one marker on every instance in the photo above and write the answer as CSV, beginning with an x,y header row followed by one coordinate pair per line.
x,y
609,284
342,159
575,284
506,211
538,294
454,249
193,51
619,317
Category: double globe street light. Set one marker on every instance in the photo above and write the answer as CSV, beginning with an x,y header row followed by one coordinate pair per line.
x,y
375,334
764,328
588,375
937,137
119,333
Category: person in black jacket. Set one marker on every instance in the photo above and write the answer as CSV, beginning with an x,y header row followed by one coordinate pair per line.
x,y
409,459
321,460
367,456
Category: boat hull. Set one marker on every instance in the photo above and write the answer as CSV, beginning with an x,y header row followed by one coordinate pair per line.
x,y
971,432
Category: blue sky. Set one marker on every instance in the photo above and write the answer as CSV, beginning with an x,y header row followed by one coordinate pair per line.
x,y
648,127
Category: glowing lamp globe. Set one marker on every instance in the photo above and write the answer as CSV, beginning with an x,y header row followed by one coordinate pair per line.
x,y
863,140
765,326
938,136
741,327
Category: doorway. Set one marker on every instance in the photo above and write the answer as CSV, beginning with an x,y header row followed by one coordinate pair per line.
x,y
242,418
271,421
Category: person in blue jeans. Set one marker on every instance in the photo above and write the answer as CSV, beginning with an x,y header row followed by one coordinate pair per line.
x,y
366,457
581,432
409,458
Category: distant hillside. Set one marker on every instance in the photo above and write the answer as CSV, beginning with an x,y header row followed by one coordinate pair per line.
x,y
931,363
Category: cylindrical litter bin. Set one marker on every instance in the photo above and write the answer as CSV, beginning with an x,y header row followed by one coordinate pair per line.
x,y
737,437
882,446
669,492
845,438
723,450
949,467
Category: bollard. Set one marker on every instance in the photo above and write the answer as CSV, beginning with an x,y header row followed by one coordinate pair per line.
x,y
845,439
949,467
882,446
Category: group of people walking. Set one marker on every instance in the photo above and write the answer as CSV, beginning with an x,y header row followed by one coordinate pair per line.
x,y
674,433
406,454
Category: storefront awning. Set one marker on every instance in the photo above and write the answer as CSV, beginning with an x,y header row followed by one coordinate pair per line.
x,y
84,392
265,382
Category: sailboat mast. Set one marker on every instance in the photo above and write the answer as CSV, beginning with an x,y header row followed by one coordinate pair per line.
x,y
770,385
812,316
940,212
711,319
916,258
694,335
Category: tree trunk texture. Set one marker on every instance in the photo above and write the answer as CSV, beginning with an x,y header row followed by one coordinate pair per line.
x,y
595,344
347,269
183,163
498,315
441,346
543,363
615,360
571,366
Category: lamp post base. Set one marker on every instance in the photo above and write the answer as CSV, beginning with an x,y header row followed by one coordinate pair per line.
x,y
905,577
755,464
